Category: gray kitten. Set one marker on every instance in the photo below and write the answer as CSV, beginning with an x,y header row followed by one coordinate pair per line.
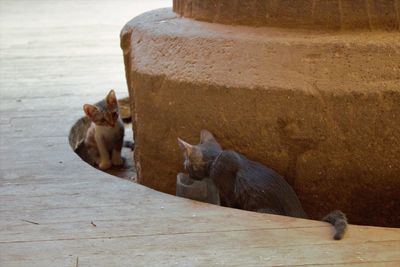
x,y
105,136
246,184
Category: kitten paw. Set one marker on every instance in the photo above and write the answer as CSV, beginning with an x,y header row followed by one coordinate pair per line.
x,y
104,165
117,161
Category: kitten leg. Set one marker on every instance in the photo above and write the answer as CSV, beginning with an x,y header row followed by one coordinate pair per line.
x,y
116,158
93,156
105,162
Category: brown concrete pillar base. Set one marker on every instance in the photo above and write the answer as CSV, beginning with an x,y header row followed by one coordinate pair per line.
x,y
322,109
311,14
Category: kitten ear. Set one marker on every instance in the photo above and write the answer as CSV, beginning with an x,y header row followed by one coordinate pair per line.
x,y
206,136
185,146
90,110
111,99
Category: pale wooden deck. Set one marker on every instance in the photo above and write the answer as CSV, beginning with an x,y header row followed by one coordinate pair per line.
x,y
55,55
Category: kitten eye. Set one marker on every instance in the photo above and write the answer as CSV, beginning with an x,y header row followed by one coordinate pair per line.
x,y
114,114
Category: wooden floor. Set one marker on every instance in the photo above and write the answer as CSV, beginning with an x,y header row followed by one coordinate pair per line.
x,y
58,211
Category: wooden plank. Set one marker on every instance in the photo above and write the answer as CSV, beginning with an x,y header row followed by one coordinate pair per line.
x,y
134,226
202,249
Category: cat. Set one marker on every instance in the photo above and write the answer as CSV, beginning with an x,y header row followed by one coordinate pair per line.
x,y
105,136
246,184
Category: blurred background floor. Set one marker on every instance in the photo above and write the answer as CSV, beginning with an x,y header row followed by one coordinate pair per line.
x,y
64,48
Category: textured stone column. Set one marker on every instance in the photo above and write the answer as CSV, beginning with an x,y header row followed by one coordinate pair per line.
x,y
324,14
316,98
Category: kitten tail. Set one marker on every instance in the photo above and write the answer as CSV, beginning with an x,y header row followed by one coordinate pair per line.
x,y
339,221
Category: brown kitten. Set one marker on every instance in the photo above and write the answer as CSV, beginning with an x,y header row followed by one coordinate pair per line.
x,y
246,184
104,138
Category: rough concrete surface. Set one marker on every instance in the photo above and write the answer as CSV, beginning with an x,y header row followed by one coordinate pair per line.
x,y
332,14
322,109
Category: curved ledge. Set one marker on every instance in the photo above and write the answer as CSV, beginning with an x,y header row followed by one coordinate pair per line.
x,y
312,62
320,108
206,218
334,15
209,234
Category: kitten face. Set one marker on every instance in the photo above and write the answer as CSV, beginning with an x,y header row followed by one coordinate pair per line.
x,y
197,158
104,113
